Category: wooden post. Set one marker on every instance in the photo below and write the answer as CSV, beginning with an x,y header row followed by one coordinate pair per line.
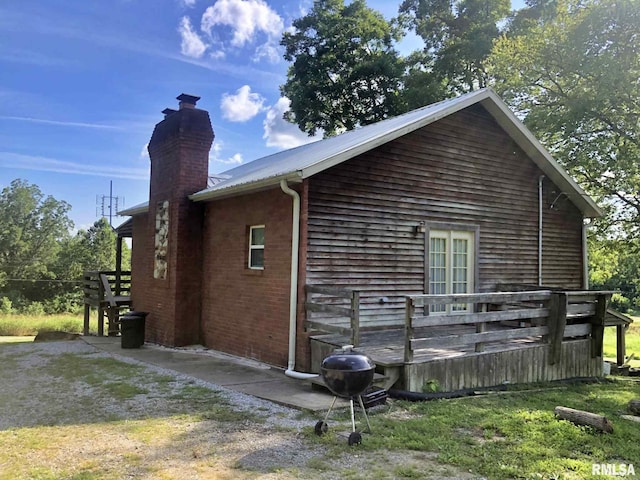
x,y
100,307
621,348
117,286
355,318
87,314
597,325
408,329
557,322
480,328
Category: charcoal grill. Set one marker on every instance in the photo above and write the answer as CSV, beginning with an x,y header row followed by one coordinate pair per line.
x,y
347,374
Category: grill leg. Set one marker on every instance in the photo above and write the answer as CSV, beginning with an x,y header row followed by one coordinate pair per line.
x,y
364,411
331,408
353,419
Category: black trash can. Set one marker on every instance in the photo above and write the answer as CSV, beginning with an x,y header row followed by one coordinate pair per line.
x,y
132,329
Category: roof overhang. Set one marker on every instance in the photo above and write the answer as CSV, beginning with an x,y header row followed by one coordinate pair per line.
x,y
135,210
245,188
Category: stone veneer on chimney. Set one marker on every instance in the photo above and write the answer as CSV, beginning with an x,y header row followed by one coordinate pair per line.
x,y
179,152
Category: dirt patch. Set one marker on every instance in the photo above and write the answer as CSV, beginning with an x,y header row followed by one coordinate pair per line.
x,y
71,411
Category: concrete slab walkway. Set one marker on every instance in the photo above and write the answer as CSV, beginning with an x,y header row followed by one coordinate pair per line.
x,y
235,373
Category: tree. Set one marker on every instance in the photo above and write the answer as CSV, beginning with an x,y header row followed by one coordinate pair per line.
x,y
31,227
458,38
345,71
573,77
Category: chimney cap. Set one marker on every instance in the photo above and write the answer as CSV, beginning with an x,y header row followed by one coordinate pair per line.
x,y
168,111
187,99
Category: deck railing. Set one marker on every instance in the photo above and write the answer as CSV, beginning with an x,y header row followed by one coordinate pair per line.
x,y
108,291
333,314
541,315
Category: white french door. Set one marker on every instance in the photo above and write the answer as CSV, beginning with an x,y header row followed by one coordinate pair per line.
x,y
451,266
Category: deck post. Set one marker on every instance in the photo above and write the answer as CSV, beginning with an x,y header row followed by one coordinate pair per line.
x,y
87,315
480,328
557,323
408,329
620,345
355,318
118,285
597,325
100,308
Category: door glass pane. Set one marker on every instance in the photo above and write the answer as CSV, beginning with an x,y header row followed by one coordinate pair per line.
x,y
460,270
438,270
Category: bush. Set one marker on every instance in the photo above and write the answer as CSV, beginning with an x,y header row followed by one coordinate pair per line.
x,y
33,308
6,306
620,303
69,302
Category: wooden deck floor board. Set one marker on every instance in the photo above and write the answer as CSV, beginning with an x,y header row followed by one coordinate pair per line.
x,y
386,347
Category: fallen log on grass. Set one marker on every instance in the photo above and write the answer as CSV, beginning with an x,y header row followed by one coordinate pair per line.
x,y
580,417
632,418
634,407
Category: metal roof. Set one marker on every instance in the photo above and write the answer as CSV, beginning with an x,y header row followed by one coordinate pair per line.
x,y
304,161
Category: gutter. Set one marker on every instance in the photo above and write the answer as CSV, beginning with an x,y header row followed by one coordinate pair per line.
x,y
293,295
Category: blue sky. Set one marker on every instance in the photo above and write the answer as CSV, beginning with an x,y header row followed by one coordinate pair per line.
x,y
83,82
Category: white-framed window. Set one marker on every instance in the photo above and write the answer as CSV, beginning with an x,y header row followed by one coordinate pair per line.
x,y
451,266
256,247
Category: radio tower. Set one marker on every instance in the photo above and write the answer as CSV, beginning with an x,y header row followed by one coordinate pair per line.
x,y
107,203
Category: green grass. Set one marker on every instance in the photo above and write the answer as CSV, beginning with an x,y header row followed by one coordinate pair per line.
x,y
515,435
29,325
632,341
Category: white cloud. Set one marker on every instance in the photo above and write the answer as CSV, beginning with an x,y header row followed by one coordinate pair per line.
x,y
242,106
45,164
188,3
61,123
247,19
282,134
269,51
192,45
215,155
144,153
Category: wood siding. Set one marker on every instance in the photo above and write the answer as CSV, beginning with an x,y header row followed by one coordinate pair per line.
x,y
463,169
526,364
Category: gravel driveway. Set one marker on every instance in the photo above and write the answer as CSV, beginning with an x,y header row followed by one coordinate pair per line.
x,y
68,410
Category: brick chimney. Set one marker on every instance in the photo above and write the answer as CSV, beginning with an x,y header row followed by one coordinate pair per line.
x,y
179,152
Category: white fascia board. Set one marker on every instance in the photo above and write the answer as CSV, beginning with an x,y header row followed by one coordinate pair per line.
x,y
244,188
135,210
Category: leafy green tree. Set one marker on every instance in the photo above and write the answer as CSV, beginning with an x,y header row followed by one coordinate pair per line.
x,y
458,37
345,71
614,264
573,76
31,228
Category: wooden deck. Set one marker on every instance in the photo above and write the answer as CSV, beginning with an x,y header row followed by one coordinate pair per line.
x,y
386,347
503,337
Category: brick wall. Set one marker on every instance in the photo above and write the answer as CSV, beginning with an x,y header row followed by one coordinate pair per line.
x,y
246,312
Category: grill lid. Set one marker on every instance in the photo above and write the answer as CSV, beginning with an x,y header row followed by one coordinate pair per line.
x,y
346,359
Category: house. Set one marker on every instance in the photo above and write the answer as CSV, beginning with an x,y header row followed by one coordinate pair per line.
x,y
454,198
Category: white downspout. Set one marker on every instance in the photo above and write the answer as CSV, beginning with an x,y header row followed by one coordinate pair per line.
x,y
540,179
585,256
293,295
